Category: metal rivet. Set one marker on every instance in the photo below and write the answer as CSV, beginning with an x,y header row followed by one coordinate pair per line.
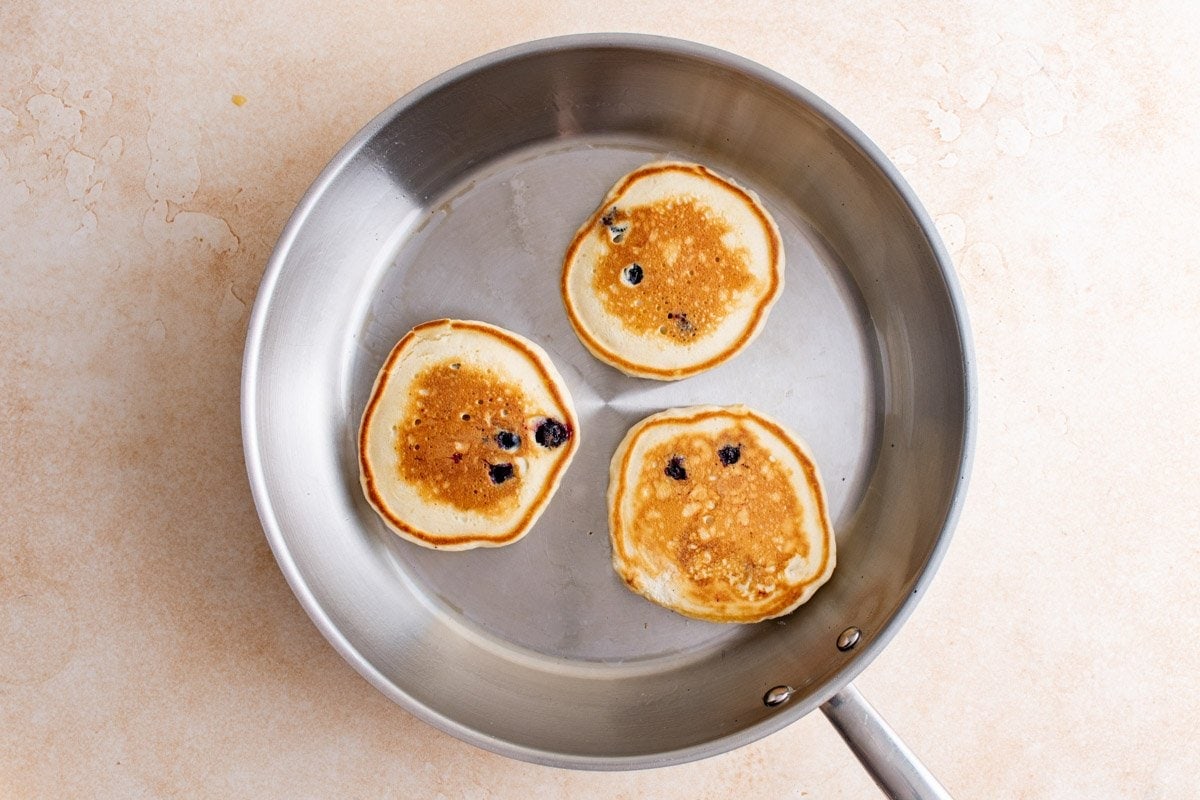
x,y
849,638
777,696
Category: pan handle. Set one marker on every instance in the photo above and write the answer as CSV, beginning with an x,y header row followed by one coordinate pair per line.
x,y
893,766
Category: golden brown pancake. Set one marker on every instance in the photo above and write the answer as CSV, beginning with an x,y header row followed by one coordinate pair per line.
x,y
674,273
467,432
718,513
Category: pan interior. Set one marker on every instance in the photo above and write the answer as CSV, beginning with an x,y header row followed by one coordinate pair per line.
x,y
459,202
491,249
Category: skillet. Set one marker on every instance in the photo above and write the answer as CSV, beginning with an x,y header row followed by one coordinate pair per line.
x,y
459,201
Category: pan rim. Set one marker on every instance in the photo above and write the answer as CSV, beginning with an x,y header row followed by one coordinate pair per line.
x,y
255,463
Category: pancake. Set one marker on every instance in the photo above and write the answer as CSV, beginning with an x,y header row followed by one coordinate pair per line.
x,y
467,432
718,513
674,273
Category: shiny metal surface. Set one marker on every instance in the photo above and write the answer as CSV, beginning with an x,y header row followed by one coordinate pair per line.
x,y
777,696
892,765
459,201
848,638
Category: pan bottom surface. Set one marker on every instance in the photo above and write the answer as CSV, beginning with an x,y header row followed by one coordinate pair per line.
x,y
491,248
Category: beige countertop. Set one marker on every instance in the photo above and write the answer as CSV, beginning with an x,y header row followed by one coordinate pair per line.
x,y
150,647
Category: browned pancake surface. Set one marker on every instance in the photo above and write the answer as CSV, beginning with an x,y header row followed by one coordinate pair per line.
x,y
447,441
731,528
686,274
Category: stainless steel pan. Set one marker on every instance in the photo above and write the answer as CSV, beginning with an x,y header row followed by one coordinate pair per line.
x,y
459,201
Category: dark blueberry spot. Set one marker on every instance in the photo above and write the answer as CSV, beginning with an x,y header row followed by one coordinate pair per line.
x,y
507,440
681,321
633,274
729,454
609,218
675,469
551,433
499,473
456,458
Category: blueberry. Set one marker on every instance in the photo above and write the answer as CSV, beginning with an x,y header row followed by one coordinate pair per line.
x,y
675,469
633,274
507,440
681,321
729,454
499,473
551,433
608,219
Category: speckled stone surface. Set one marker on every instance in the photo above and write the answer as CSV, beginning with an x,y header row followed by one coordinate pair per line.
x,y
149,646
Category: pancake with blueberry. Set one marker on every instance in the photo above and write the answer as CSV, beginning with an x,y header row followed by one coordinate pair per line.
x,y
718,513
466,435
674,273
